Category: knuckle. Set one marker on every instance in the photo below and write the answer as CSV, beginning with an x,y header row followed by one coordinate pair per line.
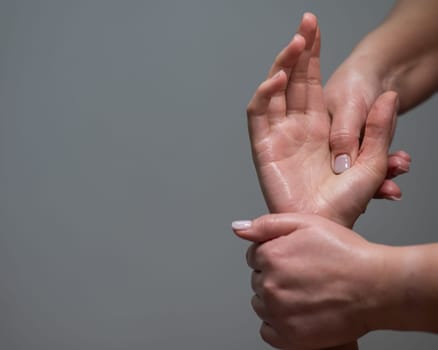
x,y
251,108
250,256
258,308
270,337
314,80
264,223
344,138
269,288
260,253
266,255
265,335
254,281
273,253
254,304
261,96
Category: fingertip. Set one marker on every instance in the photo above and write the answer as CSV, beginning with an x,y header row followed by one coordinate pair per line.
x,y
279,75
241,225
403,155
308,28
406,156
245,229
274,85
262,97
344,146
389,190
311,17
342,163
299,41
397,166
345,131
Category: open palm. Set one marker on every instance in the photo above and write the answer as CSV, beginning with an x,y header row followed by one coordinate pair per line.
x,y
289,129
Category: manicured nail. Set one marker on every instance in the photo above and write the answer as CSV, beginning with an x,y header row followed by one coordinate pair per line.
x,y
241,224
342,163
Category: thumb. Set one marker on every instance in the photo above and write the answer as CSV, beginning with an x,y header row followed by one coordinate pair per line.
x,y
369,171
268,227
379,131
347,123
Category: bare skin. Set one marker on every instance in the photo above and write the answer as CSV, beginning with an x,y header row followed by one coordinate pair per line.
x,y
318,284
289,128
400,55
394,296
306,284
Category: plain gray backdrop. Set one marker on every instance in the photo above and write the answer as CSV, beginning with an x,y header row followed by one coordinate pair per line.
x,y
124,157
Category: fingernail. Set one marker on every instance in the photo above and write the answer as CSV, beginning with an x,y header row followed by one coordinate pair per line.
x,y
241,224
342,163
394,198
400,171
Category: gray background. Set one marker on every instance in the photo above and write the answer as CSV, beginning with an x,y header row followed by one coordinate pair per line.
x,y
124,157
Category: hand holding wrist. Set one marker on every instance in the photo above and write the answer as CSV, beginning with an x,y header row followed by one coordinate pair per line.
x,y
314,280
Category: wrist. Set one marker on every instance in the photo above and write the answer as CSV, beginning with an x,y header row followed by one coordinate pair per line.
x,y
404,295
343,220
385,302
411,71
419,288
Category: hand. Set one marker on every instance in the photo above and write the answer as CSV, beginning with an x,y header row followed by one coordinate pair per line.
x,y
350,93
316,283
289,129
381,62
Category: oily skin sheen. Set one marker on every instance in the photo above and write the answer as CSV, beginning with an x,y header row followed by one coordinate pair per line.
x,y
289,129
316,283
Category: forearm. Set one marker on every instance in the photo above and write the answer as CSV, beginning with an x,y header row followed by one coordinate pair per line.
x,y
403,51
408,289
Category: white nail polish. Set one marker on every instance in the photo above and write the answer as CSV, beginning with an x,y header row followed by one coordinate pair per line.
x,y
241,224
342,163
